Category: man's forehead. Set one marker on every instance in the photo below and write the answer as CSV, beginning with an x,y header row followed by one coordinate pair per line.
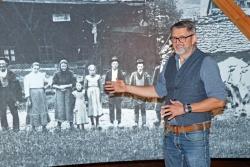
x,y
179,31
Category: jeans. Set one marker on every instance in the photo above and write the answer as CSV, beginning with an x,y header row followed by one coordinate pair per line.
x,y
189,149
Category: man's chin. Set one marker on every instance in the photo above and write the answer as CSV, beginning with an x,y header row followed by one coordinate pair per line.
x,y
180,52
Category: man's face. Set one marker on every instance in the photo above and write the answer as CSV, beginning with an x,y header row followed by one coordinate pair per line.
x,y
35,68
140,67
64,67
3,65
183,41
114,65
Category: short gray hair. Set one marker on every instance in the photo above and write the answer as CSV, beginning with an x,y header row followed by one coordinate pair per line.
x,y
190,25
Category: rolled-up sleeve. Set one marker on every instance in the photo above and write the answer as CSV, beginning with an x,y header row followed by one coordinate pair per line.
x,y
160,86
210,75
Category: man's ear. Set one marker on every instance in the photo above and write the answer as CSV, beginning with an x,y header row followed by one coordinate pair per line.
x,y
194,39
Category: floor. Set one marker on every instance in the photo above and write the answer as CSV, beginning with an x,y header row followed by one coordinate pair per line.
x,y
160,163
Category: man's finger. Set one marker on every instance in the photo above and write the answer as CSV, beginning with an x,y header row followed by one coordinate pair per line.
x,y
164,107
109,87
171,117
168,113
112,92
108,83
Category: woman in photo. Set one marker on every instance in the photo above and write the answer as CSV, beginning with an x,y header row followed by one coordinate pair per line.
x,y
63,81
34,88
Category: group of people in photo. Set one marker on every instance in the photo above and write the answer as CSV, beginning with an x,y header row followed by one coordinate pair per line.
x,y
77,101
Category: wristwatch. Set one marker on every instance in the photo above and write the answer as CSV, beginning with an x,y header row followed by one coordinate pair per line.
x,y
187,108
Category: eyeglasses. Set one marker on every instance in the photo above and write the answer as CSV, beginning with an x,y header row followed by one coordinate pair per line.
x,y
180,39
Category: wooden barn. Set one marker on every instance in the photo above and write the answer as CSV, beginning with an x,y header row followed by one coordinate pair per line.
x,y
78,30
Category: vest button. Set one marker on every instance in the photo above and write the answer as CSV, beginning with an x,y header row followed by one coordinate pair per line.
x,y
175,87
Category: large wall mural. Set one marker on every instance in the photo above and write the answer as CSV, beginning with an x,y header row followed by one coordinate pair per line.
x,y
89,36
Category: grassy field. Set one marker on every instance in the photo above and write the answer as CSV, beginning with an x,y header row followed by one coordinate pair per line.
x,y
73,147
229,138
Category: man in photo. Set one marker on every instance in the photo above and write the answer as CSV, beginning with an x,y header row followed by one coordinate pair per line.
x,y
140,78
115,101
10,95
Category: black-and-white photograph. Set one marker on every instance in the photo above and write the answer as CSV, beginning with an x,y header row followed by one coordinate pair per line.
x,y
57,55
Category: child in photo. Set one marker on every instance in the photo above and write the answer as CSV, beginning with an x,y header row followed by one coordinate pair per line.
x,y
80,110
93,88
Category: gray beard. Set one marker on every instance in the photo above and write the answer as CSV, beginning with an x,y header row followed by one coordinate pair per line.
x,y
181,51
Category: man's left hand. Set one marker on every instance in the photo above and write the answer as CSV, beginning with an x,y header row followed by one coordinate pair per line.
x,y
172,110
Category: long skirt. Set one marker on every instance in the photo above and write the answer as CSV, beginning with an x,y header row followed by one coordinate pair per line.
x,y
64,106
95,106
38,112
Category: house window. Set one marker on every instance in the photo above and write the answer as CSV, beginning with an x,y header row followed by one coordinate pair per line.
x,y
9,52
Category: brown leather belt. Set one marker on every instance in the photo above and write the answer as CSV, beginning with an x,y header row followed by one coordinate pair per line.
x,y
190,128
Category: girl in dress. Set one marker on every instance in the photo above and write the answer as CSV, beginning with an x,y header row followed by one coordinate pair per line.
x,y
80,112
92,84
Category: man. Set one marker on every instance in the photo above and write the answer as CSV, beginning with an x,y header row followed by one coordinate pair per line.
x,y
193,88
114,101
10,95
140,78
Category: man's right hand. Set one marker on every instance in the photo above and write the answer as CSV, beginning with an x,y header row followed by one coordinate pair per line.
x,y
115,87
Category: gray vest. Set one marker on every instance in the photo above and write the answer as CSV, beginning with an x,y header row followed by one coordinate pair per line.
x,y
186,86
140,82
